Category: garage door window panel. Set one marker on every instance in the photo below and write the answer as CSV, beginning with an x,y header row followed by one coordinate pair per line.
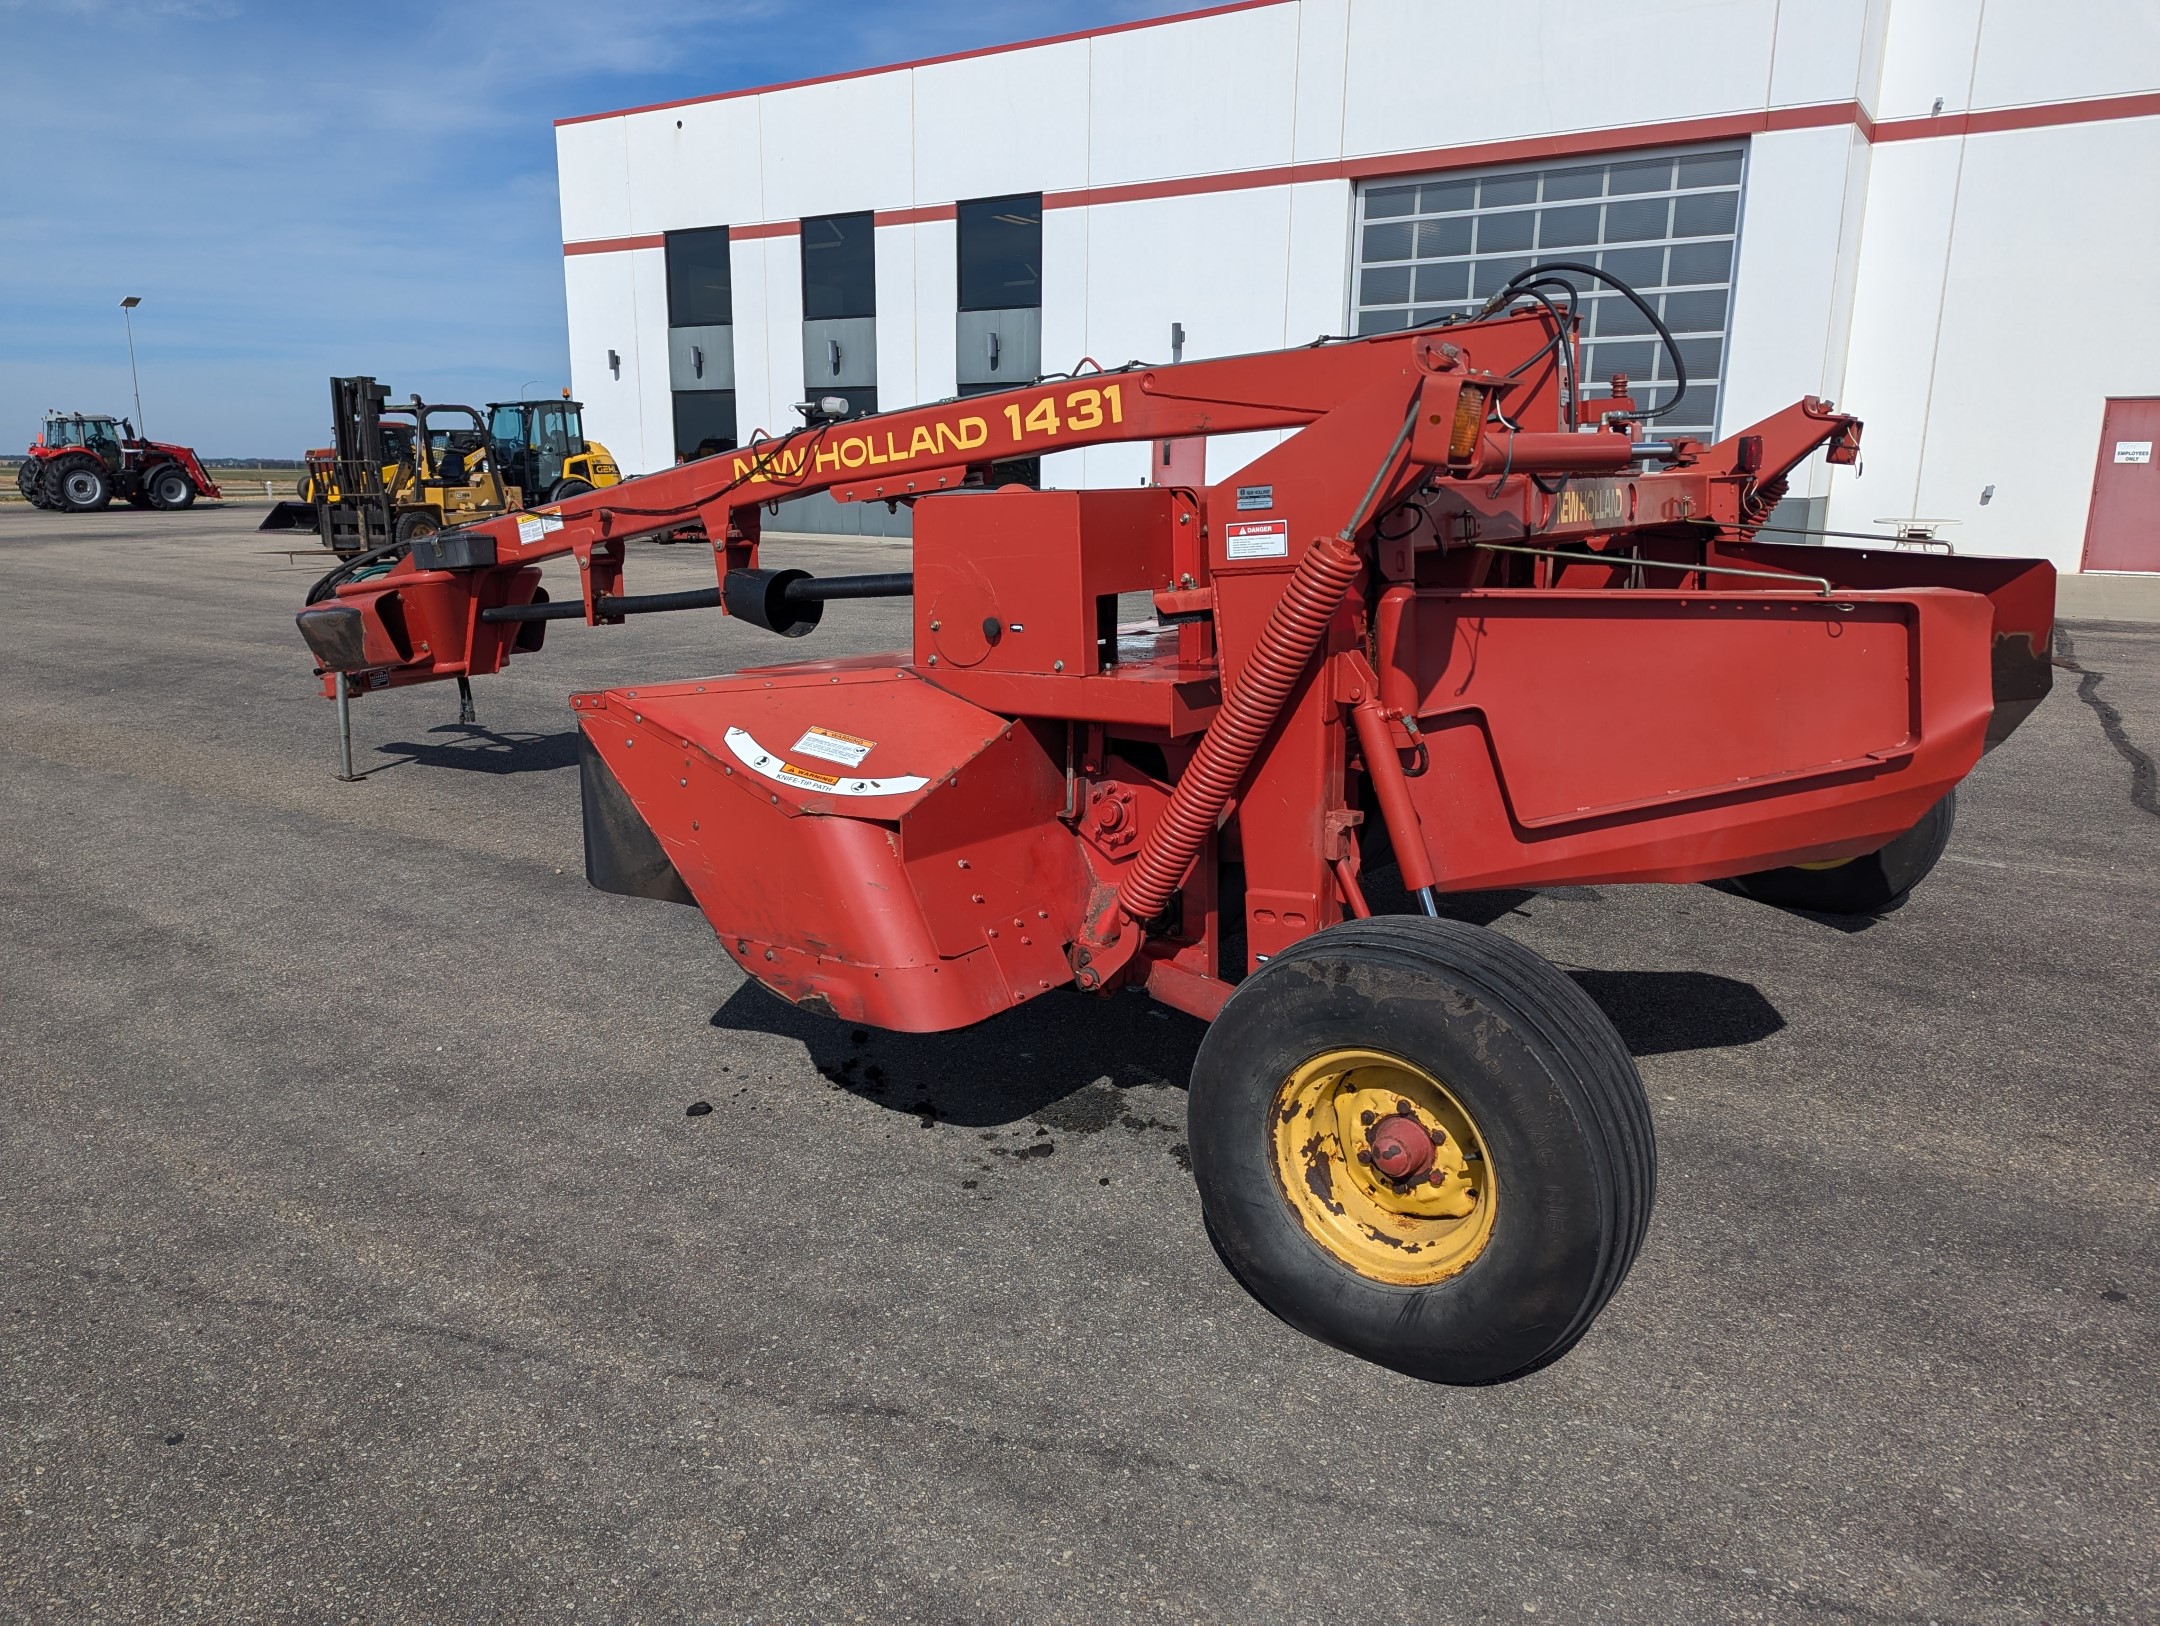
x,y
1664,223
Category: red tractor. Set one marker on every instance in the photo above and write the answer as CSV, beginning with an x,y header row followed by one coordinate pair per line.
x,y
85,459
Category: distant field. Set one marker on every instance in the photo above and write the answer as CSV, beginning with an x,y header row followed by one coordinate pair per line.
x,y
242,484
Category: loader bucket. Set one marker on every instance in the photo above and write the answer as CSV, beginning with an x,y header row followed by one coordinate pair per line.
x,y
289,516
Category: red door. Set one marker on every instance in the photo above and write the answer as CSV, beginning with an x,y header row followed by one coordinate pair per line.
x,y
2123,530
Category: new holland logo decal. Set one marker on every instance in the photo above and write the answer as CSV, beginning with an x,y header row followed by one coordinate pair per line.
x,y
1593,502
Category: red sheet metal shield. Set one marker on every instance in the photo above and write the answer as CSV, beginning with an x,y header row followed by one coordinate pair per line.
x,y
1663,736
862,842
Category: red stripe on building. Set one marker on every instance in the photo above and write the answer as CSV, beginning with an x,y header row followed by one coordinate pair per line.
x,y
1992,120
1528,149
931,61
915,217
615,245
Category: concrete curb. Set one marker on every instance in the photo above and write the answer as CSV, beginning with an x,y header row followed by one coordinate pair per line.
x,y
2108,596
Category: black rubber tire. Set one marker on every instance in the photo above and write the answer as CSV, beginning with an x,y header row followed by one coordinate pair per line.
x,y
563,489
417,523
1540,1069
80,483
1862,886
26,479
169,488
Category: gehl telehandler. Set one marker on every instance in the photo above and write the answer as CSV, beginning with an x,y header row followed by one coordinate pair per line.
x,y
1468,605
399,472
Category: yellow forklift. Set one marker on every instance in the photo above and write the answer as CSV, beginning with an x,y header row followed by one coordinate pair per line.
x,y
393,474
396,473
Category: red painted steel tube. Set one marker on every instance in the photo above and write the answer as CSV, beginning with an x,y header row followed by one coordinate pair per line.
x,y
1285,649
1384,768
1353,894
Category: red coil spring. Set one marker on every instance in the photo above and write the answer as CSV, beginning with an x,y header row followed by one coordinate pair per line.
x,y
1300,619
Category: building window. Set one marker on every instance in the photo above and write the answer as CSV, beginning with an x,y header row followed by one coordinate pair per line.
x,y
704,423
1666,225
701,341
839,300
999,331
839,267
1001,253
700,284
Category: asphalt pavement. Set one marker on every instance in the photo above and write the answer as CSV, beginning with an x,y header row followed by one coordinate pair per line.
x,y
363,1256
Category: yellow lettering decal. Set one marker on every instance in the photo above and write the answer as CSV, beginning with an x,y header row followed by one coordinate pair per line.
x,y
1043,416
743,466
1012,416
973,432
828,457
1115,395
923,443
1086,409
859,447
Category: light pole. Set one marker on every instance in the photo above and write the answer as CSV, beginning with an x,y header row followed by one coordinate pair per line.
x,y
127,307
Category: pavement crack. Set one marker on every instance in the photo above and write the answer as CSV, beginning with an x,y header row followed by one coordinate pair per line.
x,y
2144,776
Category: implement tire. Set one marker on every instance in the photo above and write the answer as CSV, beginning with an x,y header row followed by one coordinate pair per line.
x,y
1867,885
1358,1050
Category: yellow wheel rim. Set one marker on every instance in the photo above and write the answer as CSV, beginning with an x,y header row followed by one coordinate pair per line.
x,y
1351,1128
1824,863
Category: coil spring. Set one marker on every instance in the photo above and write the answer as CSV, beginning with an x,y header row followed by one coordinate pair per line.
x,y
1294,630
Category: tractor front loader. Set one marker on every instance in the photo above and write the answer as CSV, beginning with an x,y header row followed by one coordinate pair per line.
x,y
1465,605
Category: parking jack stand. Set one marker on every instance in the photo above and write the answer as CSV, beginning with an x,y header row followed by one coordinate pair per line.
x,y
466,716
344,731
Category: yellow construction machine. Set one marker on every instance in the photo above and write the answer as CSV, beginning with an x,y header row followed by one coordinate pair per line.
x,y
400,472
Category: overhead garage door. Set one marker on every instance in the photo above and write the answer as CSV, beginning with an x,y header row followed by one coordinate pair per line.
x,y
1664,223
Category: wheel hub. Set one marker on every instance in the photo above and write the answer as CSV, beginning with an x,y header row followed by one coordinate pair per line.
x,y
1383,1166
1402,1149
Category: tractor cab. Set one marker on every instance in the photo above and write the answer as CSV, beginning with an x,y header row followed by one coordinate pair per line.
x,y
540,447
95,433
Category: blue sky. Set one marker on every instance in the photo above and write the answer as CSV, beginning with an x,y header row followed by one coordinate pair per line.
x,y
305,189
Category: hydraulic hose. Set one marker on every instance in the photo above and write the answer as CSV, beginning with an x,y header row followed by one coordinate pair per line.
x,y
1285,649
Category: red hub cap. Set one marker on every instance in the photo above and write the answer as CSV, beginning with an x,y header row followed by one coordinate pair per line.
x,y
1401,1149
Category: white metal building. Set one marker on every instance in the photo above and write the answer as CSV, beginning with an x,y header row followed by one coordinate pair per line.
x,y
1943,214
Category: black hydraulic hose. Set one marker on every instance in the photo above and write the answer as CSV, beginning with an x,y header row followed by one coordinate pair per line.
x,y
1559,347
1672,347
820,589
814,589
390,552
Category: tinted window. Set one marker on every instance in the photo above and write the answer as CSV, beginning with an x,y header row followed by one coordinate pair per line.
x,y
704,422
1001,253
839,267
700,292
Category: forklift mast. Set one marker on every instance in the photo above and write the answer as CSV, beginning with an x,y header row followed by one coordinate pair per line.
x,y
356,409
